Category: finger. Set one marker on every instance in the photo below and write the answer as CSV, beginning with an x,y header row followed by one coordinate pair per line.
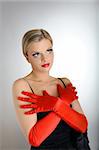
x,y
45,93
28,106
73,88
29,112
60,89
76,97
69,85
26,99
32,95
72,92
75,92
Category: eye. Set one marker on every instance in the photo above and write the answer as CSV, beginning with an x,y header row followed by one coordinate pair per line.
x,y
50,50
35,54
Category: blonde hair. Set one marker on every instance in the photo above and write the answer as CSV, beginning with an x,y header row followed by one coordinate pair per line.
x,y
34,35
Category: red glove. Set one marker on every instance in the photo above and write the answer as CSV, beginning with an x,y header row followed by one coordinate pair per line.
x,y
39,103
36,135
74,119
43,128
47,102
64,93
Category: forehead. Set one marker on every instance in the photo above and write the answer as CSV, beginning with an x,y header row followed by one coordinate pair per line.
x,y
42,45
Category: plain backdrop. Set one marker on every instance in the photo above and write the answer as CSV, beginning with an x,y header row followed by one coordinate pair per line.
x,y
73,26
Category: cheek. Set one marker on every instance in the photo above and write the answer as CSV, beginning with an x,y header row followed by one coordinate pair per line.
x,y
34,61
52,58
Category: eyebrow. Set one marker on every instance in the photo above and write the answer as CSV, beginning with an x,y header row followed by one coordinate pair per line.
x,y
39,51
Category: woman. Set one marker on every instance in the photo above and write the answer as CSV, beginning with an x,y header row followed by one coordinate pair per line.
x,y
47,108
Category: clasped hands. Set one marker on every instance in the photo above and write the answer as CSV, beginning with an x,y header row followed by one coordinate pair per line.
x,y
47,102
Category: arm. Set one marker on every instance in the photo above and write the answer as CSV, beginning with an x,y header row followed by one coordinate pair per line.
x,y
75,113
60,105
42,129
75,119
29,124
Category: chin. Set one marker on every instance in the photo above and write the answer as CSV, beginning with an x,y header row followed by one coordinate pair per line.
x,y
46,69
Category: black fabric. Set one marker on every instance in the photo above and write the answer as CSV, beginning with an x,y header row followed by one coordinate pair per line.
x,y
80,140
63,137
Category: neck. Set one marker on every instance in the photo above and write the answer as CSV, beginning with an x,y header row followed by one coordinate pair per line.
x,y
40,77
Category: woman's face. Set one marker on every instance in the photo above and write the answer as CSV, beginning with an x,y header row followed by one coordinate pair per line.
x,y
40,53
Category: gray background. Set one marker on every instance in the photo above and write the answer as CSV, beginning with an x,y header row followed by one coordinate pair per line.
x,y
74,28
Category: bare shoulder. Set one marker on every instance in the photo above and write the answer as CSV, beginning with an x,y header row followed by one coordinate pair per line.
x,y
18,82
25,121
17,87
66,80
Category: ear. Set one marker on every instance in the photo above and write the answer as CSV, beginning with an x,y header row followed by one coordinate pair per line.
x,y
27,58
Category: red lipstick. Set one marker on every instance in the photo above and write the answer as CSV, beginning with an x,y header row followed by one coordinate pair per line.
x,y
45,65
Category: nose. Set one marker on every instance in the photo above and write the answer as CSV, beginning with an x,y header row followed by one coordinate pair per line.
x,y
44,58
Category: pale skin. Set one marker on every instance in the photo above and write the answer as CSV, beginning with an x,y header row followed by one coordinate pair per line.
x,y
39,78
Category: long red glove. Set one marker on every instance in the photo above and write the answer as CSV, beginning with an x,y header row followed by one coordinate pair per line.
x,y
74,119
36,135
42,129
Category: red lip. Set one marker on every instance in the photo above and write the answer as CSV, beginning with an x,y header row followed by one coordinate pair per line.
x,y
45,65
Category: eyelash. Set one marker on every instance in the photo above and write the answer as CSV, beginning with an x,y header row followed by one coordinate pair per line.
x,y
49,50
35,54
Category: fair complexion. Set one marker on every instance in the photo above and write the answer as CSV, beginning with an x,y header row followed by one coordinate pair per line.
x,y
40,53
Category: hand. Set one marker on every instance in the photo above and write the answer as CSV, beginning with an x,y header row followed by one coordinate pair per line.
x,y
39,103
45,102
68,94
